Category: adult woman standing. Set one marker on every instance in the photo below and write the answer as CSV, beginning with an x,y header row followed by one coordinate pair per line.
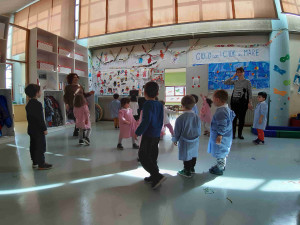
x,y
241,99
71,89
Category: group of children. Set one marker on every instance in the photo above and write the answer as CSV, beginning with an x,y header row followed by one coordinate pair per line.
x,y
149,125
187,130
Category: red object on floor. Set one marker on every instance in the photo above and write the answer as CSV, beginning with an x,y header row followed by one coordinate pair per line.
x,y
294,122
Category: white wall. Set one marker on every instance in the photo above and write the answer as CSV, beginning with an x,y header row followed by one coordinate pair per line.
x,y
294,61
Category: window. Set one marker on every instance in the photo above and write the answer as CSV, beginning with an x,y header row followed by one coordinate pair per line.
x,y
99,17
128,15
174,94
8,76
77,18
291,6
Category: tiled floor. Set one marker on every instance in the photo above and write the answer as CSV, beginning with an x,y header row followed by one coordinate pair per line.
x,y
101,185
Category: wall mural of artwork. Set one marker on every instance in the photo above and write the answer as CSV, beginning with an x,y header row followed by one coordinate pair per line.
x,y
121,81
257,72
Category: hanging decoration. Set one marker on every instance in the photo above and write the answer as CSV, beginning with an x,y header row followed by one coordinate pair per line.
x,y
152,57
196,82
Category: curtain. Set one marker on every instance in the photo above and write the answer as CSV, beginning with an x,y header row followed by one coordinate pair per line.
x,y
127,15
122,15
291,6
255,9
92,19
203,10
56,16
19,36
163,12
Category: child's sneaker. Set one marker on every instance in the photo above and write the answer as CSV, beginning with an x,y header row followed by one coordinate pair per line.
x,y
158,182
215,170
120,147
135,146
81,142
35,166
46,166
148,180
193,171
257,141
87,141
185,173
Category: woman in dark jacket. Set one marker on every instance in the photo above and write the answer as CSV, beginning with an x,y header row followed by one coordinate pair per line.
x,y
71,89
241,99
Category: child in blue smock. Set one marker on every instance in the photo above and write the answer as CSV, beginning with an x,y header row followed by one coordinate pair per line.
x,y
186,134
195,108
260,117
115,106
220,132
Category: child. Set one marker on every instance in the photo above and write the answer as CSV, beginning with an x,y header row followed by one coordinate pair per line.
x,y
195,108
127,124
141,102
134,106
82,115
36,128
187,132
150,127
220,132
205,113
166,118
115,106
260,117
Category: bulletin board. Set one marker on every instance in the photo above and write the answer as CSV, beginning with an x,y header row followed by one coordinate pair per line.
x,y
257,72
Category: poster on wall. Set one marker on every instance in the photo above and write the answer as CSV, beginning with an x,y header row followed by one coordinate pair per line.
x,y
257,72
230,54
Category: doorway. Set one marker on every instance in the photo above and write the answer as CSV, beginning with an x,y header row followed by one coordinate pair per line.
x,y
175,86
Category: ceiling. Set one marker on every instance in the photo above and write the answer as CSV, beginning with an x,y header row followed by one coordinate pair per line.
x,y
10,6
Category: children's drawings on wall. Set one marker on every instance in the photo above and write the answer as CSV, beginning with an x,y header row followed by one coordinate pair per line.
x,y
257,72
281,93
121,81
287,82
285,58
277,69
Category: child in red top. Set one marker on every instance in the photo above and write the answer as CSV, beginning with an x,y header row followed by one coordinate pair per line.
x,y
82,115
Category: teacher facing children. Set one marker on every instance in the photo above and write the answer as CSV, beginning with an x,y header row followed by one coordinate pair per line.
x,y
71,90
241,99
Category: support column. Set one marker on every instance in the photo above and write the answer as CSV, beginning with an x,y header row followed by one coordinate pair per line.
x,y
279,71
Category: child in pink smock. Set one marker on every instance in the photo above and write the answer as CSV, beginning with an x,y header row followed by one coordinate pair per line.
x,y
127,123
205,114
82,115
167,122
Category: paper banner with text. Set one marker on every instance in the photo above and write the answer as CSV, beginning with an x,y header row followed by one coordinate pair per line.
x,y
230,54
